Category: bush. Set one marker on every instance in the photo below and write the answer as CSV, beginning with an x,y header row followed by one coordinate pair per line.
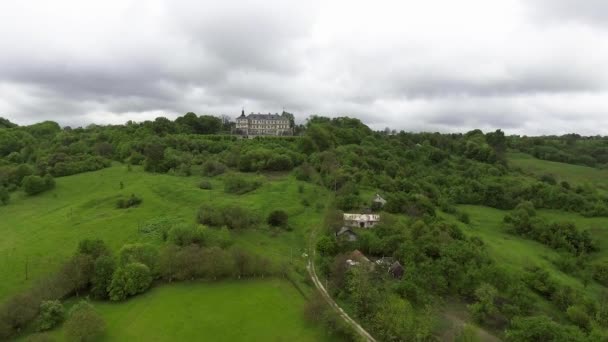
x,y
139,253
93,247
33,185
103,270
239,185
4,195
278,218
600,272
84,323
185,235
213,168
205,185
132,279
127,203
230,216
464,217
51,314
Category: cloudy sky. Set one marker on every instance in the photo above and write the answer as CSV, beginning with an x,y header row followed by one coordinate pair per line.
x,y
526,66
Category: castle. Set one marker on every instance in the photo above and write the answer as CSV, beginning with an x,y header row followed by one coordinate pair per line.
x,y
263,124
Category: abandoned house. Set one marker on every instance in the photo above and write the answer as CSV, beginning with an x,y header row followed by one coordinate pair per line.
x,y
346,234
378,201
396,270
356,257
361,220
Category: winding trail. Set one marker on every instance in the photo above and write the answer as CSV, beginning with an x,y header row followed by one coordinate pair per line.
x,y
330,301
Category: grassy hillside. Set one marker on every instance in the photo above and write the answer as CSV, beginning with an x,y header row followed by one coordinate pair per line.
x,y
258,310
574,174
40,232
516,253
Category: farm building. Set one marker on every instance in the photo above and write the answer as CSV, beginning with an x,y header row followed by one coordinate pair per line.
x,y
378,201
361,220
356,257
346,234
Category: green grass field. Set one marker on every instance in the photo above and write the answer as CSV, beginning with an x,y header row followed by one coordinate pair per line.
x,y
574,174
42,231
515,253
252,310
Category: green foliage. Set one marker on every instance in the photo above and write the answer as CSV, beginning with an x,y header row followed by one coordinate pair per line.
x,y
129,280
326,246
542,328
5,197
235,184
132,201
484,307
278,218
468,333
205,185
33,185
185,235
600,272
103,271
230,216
93,247
144,253
84,323
51,314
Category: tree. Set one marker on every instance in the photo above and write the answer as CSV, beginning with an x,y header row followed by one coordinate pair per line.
x,y
84,323
542,328
51,314
132,279
326,246
93,247
33,185
103,269
278,218
139,252
484,308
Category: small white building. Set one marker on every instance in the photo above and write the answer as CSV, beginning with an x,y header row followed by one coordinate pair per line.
x,y
361,220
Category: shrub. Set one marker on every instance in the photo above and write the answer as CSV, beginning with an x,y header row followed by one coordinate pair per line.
x,y
600,272
205,185
103,269
33,185
84,323
51,314
130,202
278,218
235,184
129,280
464,217
184,235
139,253
4,195
230,216
93,247
212,168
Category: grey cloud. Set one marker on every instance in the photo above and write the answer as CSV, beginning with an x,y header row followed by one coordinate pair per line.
x,y
590,12
215,58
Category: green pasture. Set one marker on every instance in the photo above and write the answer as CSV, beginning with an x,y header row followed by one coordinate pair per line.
x,y
40,232
251,310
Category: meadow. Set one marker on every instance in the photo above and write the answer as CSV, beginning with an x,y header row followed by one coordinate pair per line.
x,y
516,253
574,174
253,310
40,232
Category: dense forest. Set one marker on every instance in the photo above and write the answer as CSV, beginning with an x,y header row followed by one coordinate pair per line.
x,y
424,177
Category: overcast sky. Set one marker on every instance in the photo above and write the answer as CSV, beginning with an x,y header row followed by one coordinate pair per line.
x,y
526,66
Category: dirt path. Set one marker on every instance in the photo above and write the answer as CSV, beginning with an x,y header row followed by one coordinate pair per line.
x,y
342,313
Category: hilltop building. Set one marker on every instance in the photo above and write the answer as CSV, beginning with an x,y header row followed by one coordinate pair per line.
x,y
263,124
